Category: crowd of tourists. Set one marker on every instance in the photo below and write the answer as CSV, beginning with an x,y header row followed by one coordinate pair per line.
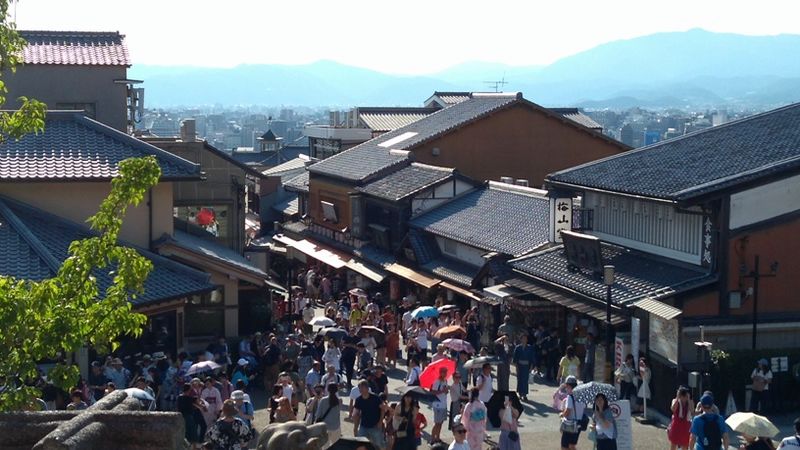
x,y
332,349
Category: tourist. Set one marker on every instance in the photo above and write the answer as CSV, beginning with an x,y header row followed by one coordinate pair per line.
x,y
459,438
523,360
440,388
77,402
244,408
792,442
229,432
191,410
571,413
625,376
210,394
392,344
412,379
284,412
604,424
761,379
458,396
708,430
589,358
509,433
501,352
569,365
484,383
681,421
404,423
367,416
474,419
328,413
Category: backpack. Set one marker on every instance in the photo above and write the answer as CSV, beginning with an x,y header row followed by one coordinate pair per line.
x,y
712,439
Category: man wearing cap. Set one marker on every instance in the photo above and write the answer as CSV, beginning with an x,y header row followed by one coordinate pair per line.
x,y
243,406
709,431
792,442
313,377
117,374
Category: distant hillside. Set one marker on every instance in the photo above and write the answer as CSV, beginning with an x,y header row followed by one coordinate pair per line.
x,y
695,68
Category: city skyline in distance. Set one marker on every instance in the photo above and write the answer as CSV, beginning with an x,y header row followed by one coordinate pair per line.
x,y
412,37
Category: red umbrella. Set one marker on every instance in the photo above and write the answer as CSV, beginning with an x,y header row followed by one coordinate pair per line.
x,y
431,373
205,217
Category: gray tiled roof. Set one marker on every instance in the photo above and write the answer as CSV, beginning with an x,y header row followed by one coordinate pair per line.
x,y
298,183
406,181
387,119
492,219
267,159
699,163
576,115
75,48
375,157
291,165
35,243
289,206
452,270
375,255
424,246
638,275
73,147
213,250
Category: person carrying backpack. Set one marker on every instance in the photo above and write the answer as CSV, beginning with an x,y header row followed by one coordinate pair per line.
x,y
709,431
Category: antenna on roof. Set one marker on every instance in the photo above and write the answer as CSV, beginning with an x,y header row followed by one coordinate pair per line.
x,y
498,84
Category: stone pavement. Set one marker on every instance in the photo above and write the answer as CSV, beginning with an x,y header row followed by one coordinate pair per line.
x,y
538,423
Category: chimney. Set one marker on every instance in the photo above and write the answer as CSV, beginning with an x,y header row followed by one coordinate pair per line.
x,y
507,180
188,130
521,182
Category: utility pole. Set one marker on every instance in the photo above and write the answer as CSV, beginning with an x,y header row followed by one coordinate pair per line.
x,y
756,275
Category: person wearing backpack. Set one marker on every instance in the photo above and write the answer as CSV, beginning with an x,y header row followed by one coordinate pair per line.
x,y
709,431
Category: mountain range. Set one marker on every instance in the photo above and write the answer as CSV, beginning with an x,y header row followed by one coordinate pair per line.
x,y
690,69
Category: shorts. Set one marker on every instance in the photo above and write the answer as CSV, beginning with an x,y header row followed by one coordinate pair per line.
x,y
374,435
439,415
568,439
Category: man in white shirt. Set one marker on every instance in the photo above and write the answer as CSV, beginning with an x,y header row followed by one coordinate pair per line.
x,y
440,388
485,384
792,442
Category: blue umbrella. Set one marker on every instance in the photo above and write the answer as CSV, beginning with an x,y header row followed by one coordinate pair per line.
x,y
424,312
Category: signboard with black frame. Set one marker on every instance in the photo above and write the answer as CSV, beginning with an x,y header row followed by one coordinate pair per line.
x,y
583,251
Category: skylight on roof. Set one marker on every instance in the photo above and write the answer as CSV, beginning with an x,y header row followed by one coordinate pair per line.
x,y
398,139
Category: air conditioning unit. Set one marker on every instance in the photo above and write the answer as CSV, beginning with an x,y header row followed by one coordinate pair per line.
x,y
507,180
521,182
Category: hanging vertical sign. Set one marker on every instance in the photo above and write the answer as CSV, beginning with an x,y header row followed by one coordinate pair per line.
x,y
706,258
619,352
561,217
635,332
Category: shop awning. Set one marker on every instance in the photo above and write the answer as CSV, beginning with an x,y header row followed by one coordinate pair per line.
x,y
460,291
412,275
596,311
333,258
357,266
658,308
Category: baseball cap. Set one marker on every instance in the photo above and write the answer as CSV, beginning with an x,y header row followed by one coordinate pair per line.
x,y
237,395
242,362
571,380
707,400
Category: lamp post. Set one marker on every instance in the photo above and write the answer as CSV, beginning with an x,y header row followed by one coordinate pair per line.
x,y
608,280
755,274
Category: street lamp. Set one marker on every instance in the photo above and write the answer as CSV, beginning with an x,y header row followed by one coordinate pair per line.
x,y
756,275
608,280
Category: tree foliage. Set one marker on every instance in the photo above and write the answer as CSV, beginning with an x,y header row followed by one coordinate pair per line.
x,y
30,116
55,317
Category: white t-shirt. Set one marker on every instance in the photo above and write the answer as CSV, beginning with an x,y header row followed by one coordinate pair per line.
x,y
406,320
422,339
441,401
456,446
413,376
790,443
576,407
485,393
767,376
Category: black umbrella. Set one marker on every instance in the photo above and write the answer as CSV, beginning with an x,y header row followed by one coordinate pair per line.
x,y
417,392
481,360
333,333
496,402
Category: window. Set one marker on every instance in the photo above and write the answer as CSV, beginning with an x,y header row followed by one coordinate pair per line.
x,y
205,314
89,109
380,236
213,219
329,212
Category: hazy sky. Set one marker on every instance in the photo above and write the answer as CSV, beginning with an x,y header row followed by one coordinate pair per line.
x,y
401,36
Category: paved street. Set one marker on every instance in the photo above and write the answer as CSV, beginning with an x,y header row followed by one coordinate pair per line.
x,y
538,425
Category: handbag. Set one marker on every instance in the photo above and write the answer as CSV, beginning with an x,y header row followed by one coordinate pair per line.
x,y
592,434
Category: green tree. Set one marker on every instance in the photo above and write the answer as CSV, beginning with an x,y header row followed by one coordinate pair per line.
x,y
30,116
55,317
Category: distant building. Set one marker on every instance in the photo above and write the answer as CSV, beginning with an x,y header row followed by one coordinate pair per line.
x,y
651,137
626,134
75,71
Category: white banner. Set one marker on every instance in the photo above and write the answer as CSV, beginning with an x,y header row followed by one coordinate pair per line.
x,y
664,337
636,326
622,415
